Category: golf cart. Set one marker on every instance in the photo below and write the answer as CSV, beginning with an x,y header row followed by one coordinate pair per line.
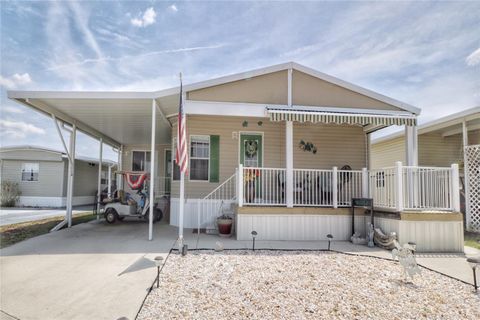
x,y
131,205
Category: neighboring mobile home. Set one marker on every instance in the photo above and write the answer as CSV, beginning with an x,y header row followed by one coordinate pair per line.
x,y
283,148
41,174
440,143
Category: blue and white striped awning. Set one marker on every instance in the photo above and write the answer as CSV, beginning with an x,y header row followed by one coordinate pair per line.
x,y
317,115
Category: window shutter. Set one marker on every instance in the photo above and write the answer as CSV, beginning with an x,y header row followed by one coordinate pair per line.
x,y
214,158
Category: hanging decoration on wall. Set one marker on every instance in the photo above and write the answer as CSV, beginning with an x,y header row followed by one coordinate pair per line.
x,y
245,124
307,146
251,147
260,123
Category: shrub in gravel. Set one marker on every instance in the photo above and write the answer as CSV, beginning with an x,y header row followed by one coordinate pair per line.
x,y
10,194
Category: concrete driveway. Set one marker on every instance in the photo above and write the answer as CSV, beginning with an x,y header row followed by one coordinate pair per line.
x,y
17,215
91,271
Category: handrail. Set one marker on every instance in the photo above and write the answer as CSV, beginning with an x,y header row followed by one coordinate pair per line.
x,y
233,177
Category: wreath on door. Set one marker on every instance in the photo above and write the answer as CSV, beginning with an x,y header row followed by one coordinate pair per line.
x,y
251,147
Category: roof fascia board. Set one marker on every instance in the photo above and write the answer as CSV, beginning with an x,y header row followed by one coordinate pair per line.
x,y
100,95
355,88
237,77
459,130
49,110
438,124
29,148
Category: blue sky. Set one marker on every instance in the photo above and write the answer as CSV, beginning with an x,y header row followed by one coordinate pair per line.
x,y
426,54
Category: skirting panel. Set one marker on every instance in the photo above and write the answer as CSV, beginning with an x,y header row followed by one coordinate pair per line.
x,y
430,236
297,227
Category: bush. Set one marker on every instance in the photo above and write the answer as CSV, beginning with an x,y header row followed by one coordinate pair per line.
x,y
10,194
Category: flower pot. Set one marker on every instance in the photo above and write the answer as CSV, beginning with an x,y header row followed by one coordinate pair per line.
x,y
224,227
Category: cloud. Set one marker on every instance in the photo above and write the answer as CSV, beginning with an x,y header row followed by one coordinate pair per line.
x,y
18,129
15,80
173,8
474,58
129,57
11,109
146,19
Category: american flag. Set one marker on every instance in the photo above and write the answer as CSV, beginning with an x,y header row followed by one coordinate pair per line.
x,y
181,157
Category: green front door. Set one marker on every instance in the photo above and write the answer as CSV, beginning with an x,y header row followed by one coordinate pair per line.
x,y
251,149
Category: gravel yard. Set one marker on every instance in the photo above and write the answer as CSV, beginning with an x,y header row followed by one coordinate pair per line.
x,y
281,284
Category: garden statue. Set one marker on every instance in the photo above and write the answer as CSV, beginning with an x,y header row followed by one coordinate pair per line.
x,y
406,258
370,236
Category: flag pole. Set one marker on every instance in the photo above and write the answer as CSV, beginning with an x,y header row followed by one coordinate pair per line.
x,y
182,192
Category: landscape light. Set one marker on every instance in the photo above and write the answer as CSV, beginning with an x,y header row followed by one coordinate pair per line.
x,y
158,262
184,250
474,262
329,237
254,234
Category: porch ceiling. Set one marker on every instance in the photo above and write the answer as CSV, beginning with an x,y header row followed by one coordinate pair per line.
x,y
117,120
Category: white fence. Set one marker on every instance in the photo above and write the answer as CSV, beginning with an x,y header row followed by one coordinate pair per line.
x,y
415,188
263,186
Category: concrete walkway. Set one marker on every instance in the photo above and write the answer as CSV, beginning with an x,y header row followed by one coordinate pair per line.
x,y
100,271
91,271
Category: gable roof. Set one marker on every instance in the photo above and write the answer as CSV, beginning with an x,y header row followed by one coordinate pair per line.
x,y
49,150
210,83
440,123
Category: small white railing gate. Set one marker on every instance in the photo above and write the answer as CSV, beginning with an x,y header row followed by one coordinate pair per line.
x,y
472,184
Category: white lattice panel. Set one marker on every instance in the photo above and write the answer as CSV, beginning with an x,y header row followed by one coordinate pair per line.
x,y
472,165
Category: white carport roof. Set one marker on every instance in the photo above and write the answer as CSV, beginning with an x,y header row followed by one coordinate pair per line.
x,y
116,117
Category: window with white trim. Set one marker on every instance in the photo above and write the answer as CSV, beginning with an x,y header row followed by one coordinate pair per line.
x,y
141,161
199,157
30,171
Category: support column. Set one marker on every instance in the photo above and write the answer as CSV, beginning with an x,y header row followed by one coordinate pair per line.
x,y
120,168
152,172
468,219
289,147
99,180
411,149
455,189
289,163
71,175
109,190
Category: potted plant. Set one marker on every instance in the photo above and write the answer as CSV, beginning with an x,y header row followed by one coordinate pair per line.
x,y
224,223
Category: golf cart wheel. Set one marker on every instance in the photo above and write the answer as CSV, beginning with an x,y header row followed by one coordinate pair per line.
x,y
158,215
111,215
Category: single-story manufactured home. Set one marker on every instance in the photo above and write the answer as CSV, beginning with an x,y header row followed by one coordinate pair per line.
x,y
451,139
41,174
283,149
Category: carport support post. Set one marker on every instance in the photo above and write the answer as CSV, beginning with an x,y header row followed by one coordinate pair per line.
x,y
152,172
109,190
71,174
468,217
99,182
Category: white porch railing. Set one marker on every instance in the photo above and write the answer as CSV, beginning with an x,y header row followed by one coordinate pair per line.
x,y
397,188
415,188
311,187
